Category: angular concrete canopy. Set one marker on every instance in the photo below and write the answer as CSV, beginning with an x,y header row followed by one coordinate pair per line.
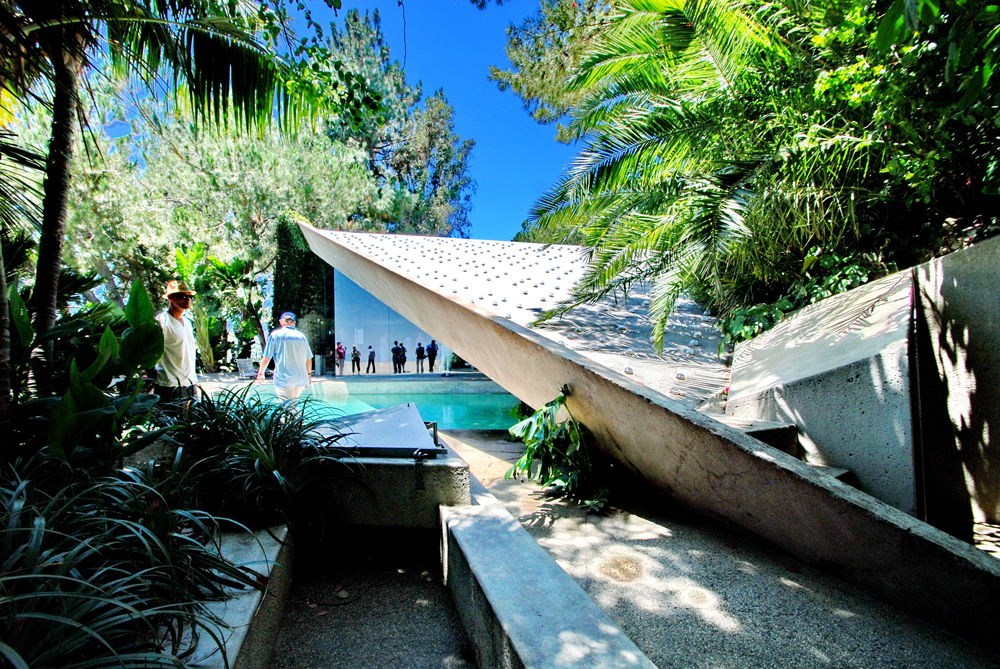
x,y
691,457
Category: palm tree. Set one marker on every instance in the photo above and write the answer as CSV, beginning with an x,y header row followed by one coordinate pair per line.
x,y
693,115
17,208
216,54
213,51
221,62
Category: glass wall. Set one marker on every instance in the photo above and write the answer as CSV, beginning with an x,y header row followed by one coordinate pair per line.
x,y
361,320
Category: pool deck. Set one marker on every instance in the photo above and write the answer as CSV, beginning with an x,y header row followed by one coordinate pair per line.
x,y
372,384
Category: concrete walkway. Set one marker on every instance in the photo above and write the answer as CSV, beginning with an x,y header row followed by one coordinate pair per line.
x,y
694,594
374,601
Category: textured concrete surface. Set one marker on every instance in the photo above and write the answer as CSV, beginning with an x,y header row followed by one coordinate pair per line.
x,y
960,305
372,600
839,371
393,491
698,461
253,616
517,282
691,593
518,607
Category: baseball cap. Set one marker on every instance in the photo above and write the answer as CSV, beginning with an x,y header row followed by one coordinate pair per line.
x,y
288,315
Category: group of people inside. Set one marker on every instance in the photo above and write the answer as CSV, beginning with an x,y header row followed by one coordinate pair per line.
x,y
176,376
399,357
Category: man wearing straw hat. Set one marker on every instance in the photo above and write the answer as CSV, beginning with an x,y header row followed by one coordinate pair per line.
x,y
292,359
176,378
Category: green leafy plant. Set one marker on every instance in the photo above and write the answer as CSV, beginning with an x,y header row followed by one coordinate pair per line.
x,y
557,454
824,274
106,572
100,415
520,411
256,461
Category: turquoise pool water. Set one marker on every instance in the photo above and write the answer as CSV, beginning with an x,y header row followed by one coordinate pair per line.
x,y
452,411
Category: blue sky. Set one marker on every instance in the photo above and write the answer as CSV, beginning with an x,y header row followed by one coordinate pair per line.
x,y
450,44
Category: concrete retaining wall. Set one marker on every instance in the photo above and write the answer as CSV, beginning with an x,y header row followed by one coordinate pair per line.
x,y
254,616
707,465
396,492
960,303
518,607
839,370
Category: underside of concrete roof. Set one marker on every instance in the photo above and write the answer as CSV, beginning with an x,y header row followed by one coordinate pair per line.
x,y
694,459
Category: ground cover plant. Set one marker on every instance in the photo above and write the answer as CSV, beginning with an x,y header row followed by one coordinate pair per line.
x,y
259,463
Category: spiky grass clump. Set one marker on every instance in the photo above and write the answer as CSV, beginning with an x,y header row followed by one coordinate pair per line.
x,y
257,460
106,572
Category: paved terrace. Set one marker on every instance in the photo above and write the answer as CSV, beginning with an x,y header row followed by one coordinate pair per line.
x,y
696,594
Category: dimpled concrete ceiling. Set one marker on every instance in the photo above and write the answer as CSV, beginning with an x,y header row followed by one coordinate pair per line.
x,y
519,281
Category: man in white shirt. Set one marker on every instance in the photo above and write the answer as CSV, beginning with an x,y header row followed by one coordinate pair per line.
x,y
176,378
292,359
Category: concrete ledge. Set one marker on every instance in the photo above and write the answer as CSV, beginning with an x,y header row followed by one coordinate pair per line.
x,y
518,607
398,492
253,616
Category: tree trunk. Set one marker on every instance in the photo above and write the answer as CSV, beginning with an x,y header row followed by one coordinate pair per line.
x,y
56,190
4,355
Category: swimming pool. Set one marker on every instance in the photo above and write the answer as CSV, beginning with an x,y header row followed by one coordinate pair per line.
x,y
452,411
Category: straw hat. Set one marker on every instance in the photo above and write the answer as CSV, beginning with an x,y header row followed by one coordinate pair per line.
x,y
174,287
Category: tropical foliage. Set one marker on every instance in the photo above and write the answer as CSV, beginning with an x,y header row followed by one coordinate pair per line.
x,y
727,148
105,566
258,463
557,454
106,571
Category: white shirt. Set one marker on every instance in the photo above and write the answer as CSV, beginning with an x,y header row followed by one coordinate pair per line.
x,y
177,366
291,352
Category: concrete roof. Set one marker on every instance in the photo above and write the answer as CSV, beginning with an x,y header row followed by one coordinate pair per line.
x,y
519,281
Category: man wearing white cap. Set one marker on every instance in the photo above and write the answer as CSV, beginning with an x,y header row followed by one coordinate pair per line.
x,y
176,378
292,359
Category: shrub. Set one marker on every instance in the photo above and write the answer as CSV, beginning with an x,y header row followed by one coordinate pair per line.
x,y
561,452
255,460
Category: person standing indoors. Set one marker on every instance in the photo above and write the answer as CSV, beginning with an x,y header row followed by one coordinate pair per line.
x,y
395,357
292,357
420,357
176,378
371,361
402,358
355,360
341,357
432,352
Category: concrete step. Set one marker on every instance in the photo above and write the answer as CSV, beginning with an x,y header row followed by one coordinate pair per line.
x,y
839,473
783,436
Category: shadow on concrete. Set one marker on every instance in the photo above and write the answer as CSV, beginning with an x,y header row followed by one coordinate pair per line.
x,y
958,340
694,593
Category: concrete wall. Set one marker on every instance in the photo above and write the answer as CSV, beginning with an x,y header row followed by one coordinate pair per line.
x,y
517,605
910,404
839,370
960,383
705,464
